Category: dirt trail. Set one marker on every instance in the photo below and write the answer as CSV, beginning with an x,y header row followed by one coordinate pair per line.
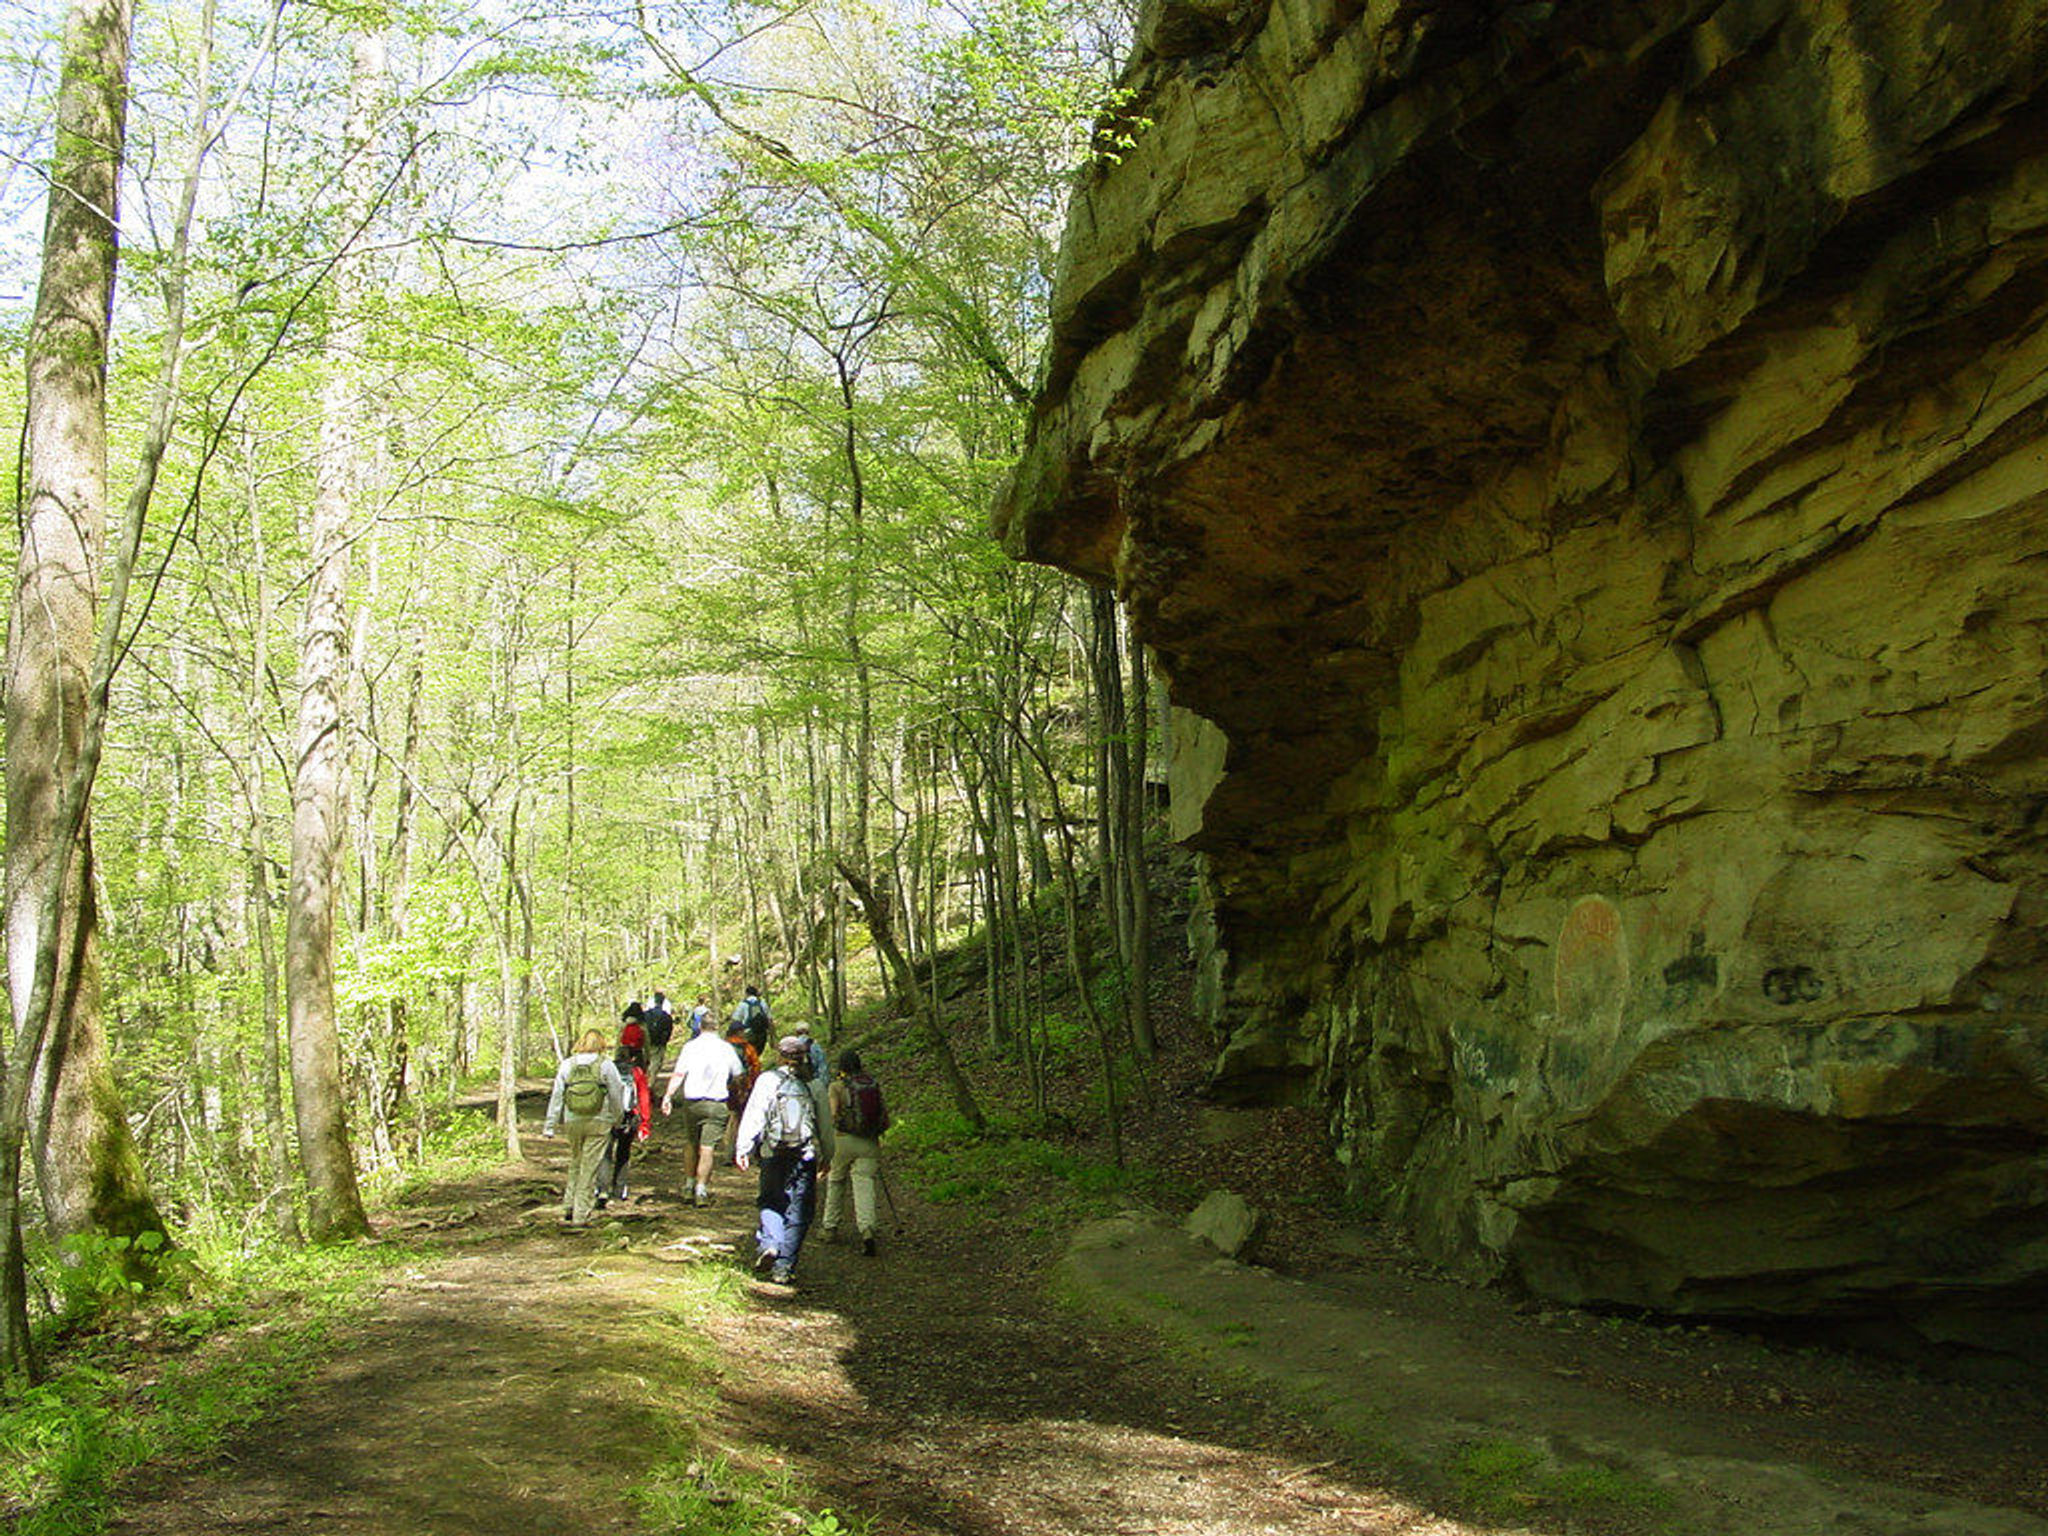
x,y
932,1389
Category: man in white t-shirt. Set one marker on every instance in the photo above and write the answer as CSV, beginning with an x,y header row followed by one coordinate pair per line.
x,y
705,1070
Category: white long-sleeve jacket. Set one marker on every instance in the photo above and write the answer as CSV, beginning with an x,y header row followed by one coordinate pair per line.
x,y
755,1117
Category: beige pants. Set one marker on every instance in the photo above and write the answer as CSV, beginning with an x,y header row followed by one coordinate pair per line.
x,y
859,1161
587,1140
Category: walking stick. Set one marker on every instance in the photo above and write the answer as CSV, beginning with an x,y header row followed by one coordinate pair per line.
x,y
882,1174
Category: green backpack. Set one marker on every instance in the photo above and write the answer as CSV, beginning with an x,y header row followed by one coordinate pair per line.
x,y
583,1095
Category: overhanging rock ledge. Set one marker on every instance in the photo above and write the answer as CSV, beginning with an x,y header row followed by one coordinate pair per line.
x,y
1584,466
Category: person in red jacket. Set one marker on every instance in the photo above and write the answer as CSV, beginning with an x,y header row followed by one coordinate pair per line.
x,y
630,1127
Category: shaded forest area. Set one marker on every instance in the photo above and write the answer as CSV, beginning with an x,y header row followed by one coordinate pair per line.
x,y
503,503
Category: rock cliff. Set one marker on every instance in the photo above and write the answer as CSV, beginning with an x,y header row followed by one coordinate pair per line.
x,y
1584,471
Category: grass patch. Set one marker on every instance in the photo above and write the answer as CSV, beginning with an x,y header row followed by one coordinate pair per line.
x,y
1007,1166
691,1489
461,1146
714,1498
1502,1480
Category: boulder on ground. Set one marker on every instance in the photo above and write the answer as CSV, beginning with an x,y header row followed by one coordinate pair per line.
x,y
1226,1222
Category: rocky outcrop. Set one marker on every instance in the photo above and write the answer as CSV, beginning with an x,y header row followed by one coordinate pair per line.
x,y
1586,469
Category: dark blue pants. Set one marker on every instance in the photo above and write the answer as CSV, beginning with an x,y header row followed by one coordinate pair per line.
x,y
611,1173
788,1192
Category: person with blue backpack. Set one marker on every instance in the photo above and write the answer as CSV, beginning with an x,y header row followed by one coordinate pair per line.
x,y
787,1133
750,1013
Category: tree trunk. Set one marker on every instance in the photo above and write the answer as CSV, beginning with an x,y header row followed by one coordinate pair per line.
x,y
52,638
1139,960
277,1141
334,1204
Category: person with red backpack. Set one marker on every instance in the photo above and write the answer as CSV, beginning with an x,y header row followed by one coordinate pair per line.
x,y
860,1117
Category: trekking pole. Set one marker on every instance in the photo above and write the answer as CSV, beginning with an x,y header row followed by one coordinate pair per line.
x,y
889,1194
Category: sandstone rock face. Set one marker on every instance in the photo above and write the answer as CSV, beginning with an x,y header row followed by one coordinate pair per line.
x,y
1586,468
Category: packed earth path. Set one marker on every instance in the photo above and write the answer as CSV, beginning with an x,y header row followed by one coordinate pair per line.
x,y
521,1378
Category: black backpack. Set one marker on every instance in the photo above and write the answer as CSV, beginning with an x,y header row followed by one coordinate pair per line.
x,y
660,1024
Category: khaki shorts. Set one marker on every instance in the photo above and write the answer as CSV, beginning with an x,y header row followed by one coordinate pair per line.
x,y
706,1119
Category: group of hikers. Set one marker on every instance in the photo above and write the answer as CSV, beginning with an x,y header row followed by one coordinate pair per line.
x,y
797,1122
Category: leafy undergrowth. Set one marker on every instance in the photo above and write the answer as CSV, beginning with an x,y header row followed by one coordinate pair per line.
x,y
133,1380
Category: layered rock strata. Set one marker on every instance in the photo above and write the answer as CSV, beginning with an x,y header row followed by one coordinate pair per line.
x,y
1585,470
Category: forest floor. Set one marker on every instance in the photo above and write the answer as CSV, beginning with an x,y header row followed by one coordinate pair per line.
x,y
987,1374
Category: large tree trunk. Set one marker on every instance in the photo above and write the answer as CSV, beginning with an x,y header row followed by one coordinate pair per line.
x,y
334,1205
52,639
87,1167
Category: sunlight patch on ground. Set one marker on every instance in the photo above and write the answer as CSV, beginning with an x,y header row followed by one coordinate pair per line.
x,y
1056,1476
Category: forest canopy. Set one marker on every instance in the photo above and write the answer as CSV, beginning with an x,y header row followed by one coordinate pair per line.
x,y
557,447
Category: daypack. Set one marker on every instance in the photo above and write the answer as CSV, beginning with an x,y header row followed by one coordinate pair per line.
x,y
754,1020
583,1095
661,1026
792,1119
629,1118
861,1112
743,1085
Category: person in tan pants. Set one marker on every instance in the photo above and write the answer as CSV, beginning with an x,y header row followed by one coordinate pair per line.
x,y
860,1117
588,1098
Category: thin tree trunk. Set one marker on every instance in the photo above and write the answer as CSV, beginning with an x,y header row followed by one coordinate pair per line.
x,y
1139,960
880,924
511,1000
277,1141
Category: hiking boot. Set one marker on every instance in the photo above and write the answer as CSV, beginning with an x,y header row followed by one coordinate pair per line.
x,y
782,1274
867,1246
766,1259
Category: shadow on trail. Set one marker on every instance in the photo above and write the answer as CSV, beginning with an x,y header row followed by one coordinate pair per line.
x,y
966,1402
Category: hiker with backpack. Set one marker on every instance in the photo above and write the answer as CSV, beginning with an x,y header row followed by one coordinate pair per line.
x,y
821,1070
588,1098
750,1013
660,1025
859,1117
788,1133
700,1016
611,1170
705,1071
632,1028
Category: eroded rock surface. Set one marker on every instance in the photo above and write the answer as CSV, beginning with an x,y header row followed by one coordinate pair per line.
x,y
1585,470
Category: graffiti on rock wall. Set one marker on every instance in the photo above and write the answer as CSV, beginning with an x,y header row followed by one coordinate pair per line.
x,y
1787,985
1591,977
1692,973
